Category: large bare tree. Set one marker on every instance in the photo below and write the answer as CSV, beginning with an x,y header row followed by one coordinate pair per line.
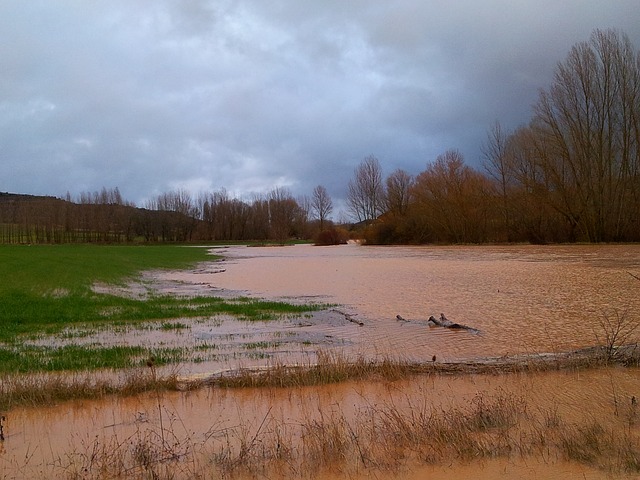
x,y
398,192
284,212
498,164
452,199
365,195
588,132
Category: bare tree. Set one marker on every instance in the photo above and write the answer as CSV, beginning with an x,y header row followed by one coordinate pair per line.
x,y
321,204
588,133
284,212
398,192
259,218
365,196
531,212
179,201
179,217
498,163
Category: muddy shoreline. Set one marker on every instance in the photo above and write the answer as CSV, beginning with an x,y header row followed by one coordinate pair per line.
x,y
588,358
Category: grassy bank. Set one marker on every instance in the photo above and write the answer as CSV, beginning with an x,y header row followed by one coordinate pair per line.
x,y
46,291
47,268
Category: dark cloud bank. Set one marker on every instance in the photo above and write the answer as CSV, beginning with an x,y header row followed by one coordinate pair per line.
x,y
151,96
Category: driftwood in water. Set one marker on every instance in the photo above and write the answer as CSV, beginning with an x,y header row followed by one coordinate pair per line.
x,y
349,317
443,322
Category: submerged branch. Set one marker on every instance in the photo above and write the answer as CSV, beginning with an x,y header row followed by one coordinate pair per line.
x,y
442,322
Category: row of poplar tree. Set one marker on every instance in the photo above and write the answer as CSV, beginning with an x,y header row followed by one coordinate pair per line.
x,y
170,217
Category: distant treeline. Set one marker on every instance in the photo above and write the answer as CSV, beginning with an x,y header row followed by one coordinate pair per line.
x,y
172,217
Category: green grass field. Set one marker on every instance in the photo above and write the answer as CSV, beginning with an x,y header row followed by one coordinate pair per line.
x,y
43,268
46,289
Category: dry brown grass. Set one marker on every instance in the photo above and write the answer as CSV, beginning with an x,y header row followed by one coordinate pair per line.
x,y
49,388
329,368
147,453
603,446
334,368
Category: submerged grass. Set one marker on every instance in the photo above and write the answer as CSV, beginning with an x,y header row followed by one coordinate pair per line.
x,y
380,440
66,358
23,313
73,362
383,439
77,358
47,289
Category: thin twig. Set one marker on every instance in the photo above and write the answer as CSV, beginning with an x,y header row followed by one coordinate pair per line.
x,y
245,451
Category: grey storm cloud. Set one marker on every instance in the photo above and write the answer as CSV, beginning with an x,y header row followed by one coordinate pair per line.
x,y
151,96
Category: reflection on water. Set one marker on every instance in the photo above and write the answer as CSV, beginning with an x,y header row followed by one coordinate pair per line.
x,y
523,299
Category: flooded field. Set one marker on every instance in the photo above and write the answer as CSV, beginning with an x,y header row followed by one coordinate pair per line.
x,y
88,439
522,300
525,299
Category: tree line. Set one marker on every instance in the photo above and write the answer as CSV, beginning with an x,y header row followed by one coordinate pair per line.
x,y
571,174
176,216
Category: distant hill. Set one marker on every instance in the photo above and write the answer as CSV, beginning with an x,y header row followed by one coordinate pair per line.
x,y
15,197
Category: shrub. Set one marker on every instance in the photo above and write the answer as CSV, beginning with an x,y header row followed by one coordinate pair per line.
x,y
332,236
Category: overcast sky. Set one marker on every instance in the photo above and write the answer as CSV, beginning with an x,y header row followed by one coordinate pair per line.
x,y
157,95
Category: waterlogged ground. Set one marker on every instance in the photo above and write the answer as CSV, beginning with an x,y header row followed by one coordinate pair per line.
x,y
202,346
522,299
81,439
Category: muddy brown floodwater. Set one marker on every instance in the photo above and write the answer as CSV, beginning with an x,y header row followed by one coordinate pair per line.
x,y
525,299
521,299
